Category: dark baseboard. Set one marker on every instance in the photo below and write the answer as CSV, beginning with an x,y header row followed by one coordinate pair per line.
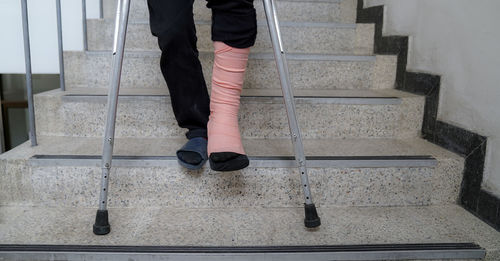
x,y
470,145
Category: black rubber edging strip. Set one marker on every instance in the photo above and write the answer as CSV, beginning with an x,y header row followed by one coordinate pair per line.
x,y
252,249
94,157
243,96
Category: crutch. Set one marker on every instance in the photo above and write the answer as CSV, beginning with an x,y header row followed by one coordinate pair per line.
x,y
101,226
311,216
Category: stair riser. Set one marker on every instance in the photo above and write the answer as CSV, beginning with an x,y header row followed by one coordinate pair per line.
x,y
142,70
252,187
299,39
140,116
343,11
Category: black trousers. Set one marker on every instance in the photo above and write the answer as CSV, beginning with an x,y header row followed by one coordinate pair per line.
x,y
233,22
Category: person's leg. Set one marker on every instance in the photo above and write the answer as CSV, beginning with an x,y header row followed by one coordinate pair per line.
x,y
227,82
234,22
172,22
234,29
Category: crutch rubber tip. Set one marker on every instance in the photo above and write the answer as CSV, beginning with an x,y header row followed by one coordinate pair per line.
x,y
101,226
312,219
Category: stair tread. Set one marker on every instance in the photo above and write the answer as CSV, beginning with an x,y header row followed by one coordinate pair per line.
x,y
247,226
65,172
309,71
364,147
305,10
307,37
359,113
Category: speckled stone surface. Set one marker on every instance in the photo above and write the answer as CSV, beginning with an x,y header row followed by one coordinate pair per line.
x,y
15,182
297,37
365,34
142,70
384,73
342,11
76,184
247,226
260,117
448,175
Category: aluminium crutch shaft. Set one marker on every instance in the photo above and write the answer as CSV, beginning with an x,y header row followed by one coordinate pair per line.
x,y
311,216
101,226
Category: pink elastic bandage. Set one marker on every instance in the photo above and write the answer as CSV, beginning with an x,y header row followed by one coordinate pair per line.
x,y
227,82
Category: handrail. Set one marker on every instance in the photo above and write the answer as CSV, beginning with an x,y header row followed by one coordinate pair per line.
x,y
101,13
84,24
29,83
60,46
27,56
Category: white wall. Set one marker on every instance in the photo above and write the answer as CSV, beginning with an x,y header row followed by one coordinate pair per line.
x,y
43,33
459,40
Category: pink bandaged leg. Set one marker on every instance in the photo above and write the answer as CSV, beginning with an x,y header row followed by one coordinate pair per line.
x,y
227,82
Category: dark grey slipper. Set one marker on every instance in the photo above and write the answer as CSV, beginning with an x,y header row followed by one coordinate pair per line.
x,y
195,145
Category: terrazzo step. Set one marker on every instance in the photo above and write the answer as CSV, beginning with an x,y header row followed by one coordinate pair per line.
x,y
297,37
142,70
249,227
340,11
64,171
321,114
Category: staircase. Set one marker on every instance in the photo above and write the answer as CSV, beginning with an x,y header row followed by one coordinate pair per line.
x,y
375,181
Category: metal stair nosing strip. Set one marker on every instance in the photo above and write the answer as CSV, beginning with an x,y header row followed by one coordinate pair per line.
x,y
256,56
259,23
255,161
437,251
355,100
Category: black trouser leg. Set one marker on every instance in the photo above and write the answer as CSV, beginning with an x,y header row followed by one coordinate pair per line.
x,y
172,22
234,22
